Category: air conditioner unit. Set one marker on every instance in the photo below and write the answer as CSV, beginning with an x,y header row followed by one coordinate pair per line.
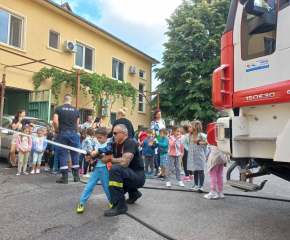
x,y
70,46
132,69
105,103
105,112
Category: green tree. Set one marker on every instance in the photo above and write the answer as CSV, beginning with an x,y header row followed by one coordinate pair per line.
x,y
191,55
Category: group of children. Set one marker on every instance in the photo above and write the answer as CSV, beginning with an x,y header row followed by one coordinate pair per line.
x,y
186,145
30,151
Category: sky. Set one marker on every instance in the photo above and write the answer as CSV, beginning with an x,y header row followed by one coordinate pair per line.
x,y
140,23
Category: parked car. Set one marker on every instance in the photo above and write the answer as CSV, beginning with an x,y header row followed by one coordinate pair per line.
x,y
6,136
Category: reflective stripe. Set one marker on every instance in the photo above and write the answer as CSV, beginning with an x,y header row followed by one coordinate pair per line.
x,y
115,184
64,167
75,166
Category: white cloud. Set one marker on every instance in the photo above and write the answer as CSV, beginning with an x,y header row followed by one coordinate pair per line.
x,y
139,23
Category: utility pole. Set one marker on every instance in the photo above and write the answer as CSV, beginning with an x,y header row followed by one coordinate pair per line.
x,y
78,89
3,85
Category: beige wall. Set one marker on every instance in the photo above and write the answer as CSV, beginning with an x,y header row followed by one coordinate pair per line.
x,y
39,19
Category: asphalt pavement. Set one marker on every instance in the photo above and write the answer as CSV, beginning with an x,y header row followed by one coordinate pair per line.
x,y
35,207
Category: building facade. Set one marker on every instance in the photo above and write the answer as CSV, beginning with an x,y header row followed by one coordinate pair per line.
x,y
42,29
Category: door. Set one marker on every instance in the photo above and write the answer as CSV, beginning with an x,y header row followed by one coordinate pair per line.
x,y
40,104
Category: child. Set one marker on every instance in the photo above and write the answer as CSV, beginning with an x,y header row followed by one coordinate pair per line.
x,y
39,146
87,146
24,145
163,145
196,154
156,156
174,156
49,136
82,157
100,172
188,174
54,153
215,165
148,152
30,158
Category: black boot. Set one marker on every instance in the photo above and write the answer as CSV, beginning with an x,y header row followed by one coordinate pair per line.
x,y
75,174
117,209
63,179
133,197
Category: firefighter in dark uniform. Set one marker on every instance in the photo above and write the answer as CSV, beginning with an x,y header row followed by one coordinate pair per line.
x,y
66,119
127,172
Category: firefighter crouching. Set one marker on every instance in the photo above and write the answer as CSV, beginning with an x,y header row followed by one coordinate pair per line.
x,y
127,172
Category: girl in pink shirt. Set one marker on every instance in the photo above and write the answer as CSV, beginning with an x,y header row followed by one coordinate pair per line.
x,y
24,145
175,151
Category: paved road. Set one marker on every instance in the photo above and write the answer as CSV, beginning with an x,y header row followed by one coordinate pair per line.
x,y
34,207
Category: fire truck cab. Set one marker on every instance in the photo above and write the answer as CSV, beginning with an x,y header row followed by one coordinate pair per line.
x,y
252,86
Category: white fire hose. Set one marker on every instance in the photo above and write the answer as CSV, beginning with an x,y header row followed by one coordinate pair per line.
x,y
51,142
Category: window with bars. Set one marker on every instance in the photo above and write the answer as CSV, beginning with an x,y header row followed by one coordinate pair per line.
x,y
141,100
84,113
118,70
11,29
84,57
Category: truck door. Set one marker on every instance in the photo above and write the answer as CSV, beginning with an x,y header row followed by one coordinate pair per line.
x,y
261,60
39,104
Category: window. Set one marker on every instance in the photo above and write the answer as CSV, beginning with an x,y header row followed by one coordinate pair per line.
x,y
53,39
141,126
141,106
284,3
6,123
84,57
256,41
141,74
84,113
113,118
11,29
118,70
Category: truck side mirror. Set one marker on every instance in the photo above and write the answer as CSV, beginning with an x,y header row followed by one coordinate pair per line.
x,y
264,23
253,9
265,20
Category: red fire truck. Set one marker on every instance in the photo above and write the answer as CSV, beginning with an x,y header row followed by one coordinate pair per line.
x,y
252,86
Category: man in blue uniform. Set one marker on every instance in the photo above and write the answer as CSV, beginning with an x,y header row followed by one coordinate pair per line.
x,y
66,119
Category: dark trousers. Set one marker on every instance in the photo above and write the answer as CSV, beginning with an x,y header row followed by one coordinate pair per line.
x,y
86,165
51,162
69,138
123,180
149,160
81,159
184,161
46,157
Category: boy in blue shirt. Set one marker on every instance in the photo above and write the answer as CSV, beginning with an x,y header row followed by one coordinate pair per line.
x,y
163,144
148,152
100,172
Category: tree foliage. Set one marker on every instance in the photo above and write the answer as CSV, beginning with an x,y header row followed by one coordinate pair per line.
x,y
191,55
97,85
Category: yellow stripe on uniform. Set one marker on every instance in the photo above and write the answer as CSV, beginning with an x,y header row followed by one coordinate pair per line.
x,y
115,184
